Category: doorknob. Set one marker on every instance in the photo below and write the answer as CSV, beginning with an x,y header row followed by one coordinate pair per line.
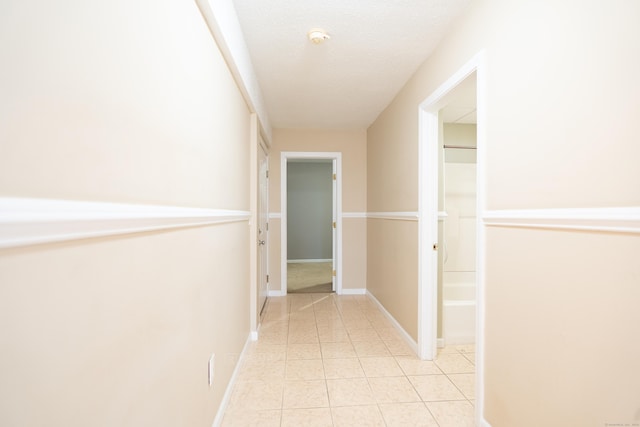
x,y
261,242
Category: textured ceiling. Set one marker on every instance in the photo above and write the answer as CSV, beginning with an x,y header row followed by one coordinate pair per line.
x,y
345,82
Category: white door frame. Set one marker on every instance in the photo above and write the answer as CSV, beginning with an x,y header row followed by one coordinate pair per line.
x,y
428,214
337,208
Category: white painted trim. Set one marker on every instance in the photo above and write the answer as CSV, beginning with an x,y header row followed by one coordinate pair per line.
x,y
354,214
26,222
277,293
275,215
484,423
442,215
355,291
306,261
222,20
428,209
405,335
613,220
440,342
232,381
401,216
337,158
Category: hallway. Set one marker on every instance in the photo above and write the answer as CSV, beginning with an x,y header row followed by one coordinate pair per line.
x,y
329,360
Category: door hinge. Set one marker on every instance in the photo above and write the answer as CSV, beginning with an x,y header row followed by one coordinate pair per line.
x,y
267,174
334,273
267,226
267,278
334,176
334,224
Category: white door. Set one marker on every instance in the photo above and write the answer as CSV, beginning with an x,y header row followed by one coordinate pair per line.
x,y
263,226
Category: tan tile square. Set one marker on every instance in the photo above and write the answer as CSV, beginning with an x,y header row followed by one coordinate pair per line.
x,y
336,350
303,351
393,390
452,414
314,417
411,365
466,383
248,418
389,334
371,348
380,367
454,364
267,351
351,416
368,334
435,387
356,323
465,348
258,369
309,337
350,392
332,334
305,394
304,369
471,357
342,368
407,414
257,395
399,348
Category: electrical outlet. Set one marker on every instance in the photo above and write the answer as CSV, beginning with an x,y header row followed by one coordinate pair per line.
x,y
212,369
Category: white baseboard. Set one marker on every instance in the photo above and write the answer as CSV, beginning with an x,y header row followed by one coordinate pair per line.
x,y
353,292
302,261
232,381
484,423
403,333
440,343
276,293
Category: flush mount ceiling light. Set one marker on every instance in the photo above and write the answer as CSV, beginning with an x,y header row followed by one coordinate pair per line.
x,y
317,35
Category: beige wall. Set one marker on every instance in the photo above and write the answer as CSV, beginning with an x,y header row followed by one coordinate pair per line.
x,y
566,72
121,101
352,145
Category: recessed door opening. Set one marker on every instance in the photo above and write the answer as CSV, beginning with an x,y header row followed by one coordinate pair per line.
x,y
310,222
452,202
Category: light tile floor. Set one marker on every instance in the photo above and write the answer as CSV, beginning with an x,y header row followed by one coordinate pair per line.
x,y
328,360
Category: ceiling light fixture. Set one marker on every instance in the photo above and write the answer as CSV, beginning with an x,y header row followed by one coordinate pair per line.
x,y
317,35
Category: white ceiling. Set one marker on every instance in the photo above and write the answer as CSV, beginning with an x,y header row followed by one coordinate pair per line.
x,y
345,82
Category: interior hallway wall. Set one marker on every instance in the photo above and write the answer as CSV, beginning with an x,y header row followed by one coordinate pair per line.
x,y
555,300
352,145
125,101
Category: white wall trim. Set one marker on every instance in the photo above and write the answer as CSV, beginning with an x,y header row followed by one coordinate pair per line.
x,y
275,215
613,220
222,20
232,381
354,291
354,214
400,216
405,335
26,222
303,261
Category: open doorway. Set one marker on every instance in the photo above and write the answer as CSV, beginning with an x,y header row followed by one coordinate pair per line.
x,y
461,100
309,226
310,240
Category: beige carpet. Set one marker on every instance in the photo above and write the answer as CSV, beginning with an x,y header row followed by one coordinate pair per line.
x,y
307,277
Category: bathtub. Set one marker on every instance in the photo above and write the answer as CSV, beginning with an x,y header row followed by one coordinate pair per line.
x,y
459,307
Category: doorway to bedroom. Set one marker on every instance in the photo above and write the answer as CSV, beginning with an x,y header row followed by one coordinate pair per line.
x,y
309,246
